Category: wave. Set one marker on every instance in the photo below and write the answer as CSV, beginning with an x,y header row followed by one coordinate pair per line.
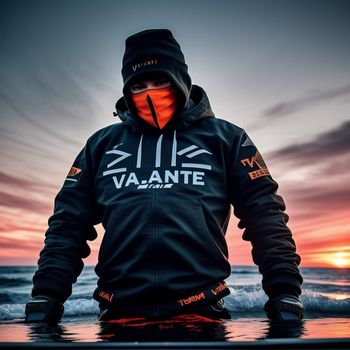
x,y
244,272
80,307
13,282
322,289
77,307
11,311
17,269
5,298
242,300
252,299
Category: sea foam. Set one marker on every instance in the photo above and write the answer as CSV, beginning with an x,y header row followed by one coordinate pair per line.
x,y
242,300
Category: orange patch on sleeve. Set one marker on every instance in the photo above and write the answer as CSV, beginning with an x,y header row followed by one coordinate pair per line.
x,y
74,171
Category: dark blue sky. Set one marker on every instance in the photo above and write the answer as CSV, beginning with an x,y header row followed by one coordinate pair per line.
x,y
280,69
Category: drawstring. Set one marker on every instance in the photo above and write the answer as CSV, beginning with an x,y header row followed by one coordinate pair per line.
x,y
154,115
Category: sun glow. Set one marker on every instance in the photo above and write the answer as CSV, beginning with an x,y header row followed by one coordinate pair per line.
x,y
341,259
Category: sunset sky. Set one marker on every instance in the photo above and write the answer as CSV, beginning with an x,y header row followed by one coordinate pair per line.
x,y
280,69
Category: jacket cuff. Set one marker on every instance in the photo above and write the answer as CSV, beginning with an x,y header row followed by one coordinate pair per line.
x,y
288,285
51,288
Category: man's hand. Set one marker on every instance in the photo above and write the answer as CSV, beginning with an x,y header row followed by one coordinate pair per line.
x,y
284,308
44,309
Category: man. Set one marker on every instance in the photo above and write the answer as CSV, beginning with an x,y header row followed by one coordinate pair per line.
x,y
162,183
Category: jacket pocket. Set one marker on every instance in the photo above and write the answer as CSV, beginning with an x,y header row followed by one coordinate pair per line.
x,y
211,245
127,237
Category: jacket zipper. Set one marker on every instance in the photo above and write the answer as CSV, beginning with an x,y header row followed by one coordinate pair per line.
x,y
155,239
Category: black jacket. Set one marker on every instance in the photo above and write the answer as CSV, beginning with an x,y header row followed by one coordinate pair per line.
x,y
164,197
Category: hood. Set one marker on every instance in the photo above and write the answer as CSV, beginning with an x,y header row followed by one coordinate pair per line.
x,y
155,51
197,108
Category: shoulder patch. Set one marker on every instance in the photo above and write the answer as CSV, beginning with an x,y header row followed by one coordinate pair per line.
x,y
257,165
74,171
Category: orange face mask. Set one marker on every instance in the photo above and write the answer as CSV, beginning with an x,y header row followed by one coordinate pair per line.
x,y
156,106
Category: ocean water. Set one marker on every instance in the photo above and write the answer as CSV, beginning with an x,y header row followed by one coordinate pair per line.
x,y
326,297
325,290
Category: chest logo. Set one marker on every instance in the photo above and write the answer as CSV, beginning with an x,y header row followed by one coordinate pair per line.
x,y
181,170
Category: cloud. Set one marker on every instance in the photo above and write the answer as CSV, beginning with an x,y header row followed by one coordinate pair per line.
x,y
19,243
320,200
37,124
16,182
27,194
328,146
327,244
11,200
18,143
316,187
282,109
19,226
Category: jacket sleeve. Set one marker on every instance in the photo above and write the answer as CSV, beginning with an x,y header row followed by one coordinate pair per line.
x,y
70,226
261,213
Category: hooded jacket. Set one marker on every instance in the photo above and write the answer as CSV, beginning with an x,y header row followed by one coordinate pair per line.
x,y
164,198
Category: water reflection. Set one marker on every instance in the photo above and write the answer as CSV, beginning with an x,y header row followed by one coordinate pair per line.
x,y
285,329
67,332
327,327
45,332
180,329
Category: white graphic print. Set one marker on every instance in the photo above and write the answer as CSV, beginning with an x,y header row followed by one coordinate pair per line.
x,y
158,178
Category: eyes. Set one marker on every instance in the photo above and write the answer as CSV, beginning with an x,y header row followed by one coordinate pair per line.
x,y
149,84
134,88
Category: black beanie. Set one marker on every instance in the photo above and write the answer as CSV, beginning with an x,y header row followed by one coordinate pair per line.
x,y
155,51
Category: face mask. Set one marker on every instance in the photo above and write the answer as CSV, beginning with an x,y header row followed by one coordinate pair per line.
x,y
156,106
